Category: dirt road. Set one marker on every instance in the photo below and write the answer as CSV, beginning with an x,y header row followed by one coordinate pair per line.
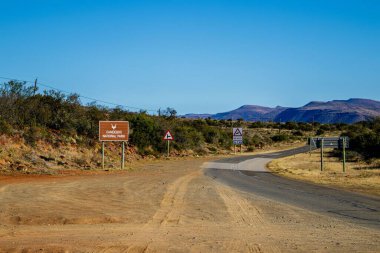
x,y
169,206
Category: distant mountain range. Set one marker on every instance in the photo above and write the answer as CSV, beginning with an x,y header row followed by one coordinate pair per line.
x,y
336,111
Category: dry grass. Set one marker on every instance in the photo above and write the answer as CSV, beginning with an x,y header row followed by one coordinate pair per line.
x,y
359,176
44,158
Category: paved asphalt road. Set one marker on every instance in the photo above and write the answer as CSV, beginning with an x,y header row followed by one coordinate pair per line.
x,y
248,173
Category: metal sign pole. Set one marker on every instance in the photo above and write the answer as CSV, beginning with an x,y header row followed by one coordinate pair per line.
x,y
168,147
168,137
241,149
344,154
309,146
122,154
232,127
322,154
103,155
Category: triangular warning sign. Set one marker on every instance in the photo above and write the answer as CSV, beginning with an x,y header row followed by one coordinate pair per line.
x,y
238,132
168,136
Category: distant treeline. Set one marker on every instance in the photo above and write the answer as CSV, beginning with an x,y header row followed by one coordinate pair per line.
x,y
55,117
364,136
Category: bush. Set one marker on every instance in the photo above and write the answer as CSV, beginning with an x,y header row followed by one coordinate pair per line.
x,y
5,128
145,133
32,135
225,140
297,133
187,137
320,131
211,135
365,138
353,156
280,137
250,149
257,124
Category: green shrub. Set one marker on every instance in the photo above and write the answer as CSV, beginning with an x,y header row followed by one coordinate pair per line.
x,y
5,127
225,139
365,138
187,137
250,148
145,133
320,131
211,135
32,135
280,137
297,133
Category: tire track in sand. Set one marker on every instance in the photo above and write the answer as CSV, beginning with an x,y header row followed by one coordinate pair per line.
x,y
244,214
169,211
239,208
173,202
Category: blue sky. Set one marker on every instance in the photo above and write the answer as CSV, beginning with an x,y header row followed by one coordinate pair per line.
x,y
196,56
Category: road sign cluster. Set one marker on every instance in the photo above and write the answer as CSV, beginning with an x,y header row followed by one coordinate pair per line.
x,y
329,142
119,131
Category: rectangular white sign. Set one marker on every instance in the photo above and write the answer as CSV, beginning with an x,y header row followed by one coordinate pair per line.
x,y
238,142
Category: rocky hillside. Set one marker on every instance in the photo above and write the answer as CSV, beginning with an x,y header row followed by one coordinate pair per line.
x,y
246,112
336,111
250,113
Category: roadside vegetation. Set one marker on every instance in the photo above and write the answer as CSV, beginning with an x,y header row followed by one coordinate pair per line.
x,y
360,176
50,129
362,167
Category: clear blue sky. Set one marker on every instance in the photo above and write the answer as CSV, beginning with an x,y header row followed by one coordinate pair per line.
x,y
196,56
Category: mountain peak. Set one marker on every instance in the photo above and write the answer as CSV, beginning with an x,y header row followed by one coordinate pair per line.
x,y
343,111
314,103
335,111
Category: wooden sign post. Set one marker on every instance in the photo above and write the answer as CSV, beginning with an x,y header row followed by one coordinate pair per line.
x,y
114,131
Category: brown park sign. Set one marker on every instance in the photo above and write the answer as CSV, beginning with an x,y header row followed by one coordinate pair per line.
x,y
113,130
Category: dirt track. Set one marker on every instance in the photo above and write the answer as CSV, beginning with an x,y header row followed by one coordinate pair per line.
x,y
163,207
